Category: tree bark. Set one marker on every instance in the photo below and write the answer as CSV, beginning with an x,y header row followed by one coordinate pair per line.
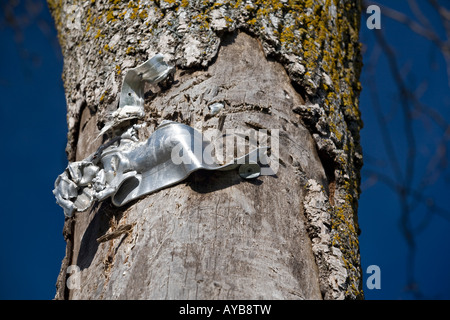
x,y
287,65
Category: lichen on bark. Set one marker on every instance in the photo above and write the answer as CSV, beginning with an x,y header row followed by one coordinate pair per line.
x,y
315,40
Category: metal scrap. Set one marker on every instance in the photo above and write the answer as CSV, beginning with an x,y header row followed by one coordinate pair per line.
x,y
126,168
131,104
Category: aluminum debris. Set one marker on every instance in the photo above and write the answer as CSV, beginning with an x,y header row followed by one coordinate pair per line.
x,y
215,108
126,169
131,105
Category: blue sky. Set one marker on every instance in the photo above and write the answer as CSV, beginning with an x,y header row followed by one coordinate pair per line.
x,y
33,117
382,243
32,113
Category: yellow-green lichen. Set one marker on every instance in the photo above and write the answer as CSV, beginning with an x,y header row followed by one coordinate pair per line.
x,y
99,34
130,50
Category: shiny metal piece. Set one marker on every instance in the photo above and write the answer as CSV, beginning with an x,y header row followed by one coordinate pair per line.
x,y
126,169
215,108
250,170
153,71
131,105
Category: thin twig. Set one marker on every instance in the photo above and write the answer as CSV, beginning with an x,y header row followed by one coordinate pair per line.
x,y
116,233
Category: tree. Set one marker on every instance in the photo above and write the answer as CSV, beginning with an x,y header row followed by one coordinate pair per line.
x,y
287,65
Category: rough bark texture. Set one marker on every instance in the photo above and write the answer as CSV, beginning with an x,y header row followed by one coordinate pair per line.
x,y
287,65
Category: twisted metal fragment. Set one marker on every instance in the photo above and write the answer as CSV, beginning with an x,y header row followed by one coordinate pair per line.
x,y
131,105
126,169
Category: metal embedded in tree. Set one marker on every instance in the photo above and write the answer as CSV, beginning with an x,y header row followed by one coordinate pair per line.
x,y
126,168
215,108
131,105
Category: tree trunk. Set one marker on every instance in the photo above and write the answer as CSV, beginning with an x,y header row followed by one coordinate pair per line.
x,y
287,65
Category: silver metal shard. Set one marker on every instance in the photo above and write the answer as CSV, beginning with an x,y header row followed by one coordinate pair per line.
x,y
153,71
131,103
215,108
126,169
